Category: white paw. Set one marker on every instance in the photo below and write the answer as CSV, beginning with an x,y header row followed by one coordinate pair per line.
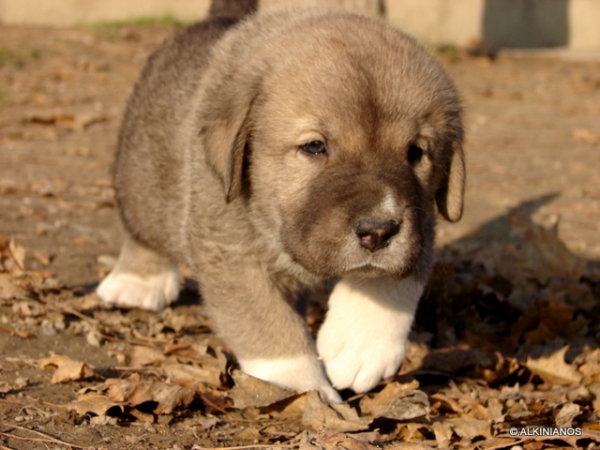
x,y
153,292
302,373
363,338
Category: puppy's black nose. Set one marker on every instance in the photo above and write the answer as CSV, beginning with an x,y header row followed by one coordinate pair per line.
x,y
376,234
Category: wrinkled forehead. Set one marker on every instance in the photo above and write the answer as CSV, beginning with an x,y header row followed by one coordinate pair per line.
x,y
365,94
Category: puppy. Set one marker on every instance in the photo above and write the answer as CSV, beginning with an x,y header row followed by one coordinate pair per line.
x,y
273,152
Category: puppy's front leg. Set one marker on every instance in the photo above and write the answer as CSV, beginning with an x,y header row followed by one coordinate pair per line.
x,y
363,338
268,337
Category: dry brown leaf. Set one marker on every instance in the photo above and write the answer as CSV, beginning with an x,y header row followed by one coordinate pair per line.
x,y
317,415
188,372
294,408
553,369
180,321
198,354
567,414
590,369
29,309
93,402
443,434
446,401
494,408
133,391
408,446
469,428
194,349
409,432
250,391
8,290
306,442
476,409
142,355
12,257
540,254
396,401
67,369
275,433
331,440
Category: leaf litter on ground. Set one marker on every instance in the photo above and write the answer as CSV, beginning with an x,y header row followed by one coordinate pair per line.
x,y
510,338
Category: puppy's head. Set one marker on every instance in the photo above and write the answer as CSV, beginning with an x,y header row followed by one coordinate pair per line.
x,y
341,133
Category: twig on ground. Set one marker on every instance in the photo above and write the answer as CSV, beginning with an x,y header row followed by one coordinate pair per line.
x,y
21,334
242,447
45,437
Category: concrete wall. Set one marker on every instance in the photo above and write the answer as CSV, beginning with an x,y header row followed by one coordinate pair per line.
x,y
70,12
506,23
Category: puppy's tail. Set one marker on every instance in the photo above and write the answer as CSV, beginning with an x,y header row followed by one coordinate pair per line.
x,y
232,8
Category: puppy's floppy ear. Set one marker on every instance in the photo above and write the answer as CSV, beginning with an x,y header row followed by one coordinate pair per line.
x,y
225,131
450,195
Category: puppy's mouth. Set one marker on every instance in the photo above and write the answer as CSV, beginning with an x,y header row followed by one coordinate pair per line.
x,y
367,270
381,264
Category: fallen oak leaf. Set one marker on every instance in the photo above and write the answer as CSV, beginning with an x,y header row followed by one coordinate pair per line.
x,y
133,391
190,373
12,257
443,434
210,357
67,369
143,355
250,391
469,428
564,418
396,401
317,415
29,309
553,369
540,254
93,402
9,290
590,369
334,440
442,400
408,446
412,432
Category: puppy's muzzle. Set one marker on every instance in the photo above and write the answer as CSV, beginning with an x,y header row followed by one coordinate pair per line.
x,y
376,234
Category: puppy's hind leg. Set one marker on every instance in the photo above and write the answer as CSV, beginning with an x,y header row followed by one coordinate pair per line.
x,y
141,279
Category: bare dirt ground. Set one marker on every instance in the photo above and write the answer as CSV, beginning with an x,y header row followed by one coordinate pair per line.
x,y
507,337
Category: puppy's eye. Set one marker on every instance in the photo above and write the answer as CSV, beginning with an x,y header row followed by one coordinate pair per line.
x,y
415,153
315,148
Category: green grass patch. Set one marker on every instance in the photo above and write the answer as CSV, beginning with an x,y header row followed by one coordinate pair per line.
x,y
111,28
6,97
34,53
10,59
